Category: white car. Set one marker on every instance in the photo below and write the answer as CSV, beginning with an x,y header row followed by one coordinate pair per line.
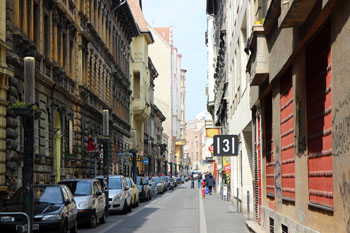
x,y
119,194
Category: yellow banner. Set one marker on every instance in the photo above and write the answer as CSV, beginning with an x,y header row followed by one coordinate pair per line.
x,y
211,132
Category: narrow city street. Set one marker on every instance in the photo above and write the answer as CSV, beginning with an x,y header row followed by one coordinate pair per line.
x,y
181,210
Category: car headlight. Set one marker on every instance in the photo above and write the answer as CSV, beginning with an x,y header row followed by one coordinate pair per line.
x,y
119,196
83,205
51,217
7,219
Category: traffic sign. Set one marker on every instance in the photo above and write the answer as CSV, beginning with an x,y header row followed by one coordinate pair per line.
x,y
225,145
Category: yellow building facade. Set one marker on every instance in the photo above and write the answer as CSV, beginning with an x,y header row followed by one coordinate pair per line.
x,y
140,81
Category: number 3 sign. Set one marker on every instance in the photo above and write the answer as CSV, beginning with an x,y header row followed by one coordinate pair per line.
x,y
225,145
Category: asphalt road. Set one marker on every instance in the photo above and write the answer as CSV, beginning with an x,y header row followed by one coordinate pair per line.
x,y
176,211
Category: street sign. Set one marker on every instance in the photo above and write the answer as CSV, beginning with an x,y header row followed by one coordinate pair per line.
x,y
225,145
145,161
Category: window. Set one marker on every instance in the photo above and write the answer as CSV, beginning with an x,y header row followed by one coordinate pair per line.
x,y
47,136
319,119
136,90
36,136
46,35
19,132
287,136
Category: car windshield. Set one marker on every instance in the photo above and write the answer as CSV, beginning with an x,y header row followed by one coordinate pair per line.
x,y
115,183
79,188
157,179
129,182
48,194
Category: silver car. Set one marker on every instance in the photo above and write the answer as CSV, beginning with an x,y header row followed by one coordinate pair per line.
x,y
160,184
90,199
153,184
119,194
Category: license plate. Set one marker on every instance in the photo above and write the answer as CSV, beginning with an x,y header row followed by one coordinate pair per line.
x,y
35,226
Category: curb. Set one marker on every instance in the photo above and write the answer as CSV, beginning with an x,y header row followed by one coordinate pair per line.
x,y
254,227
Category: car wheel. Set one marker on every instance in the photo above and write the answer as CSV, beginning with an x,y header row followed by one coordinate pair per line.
x,y
93,220
74,229
103,218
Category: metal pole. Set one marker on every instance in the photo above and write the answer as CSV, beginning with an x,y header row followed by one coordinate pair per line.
x,y
238,200
28,120
105,143
248,211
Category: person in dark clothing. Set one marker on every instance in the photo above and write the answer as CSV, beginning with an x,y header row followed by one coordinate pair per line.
x,y
192,181
210,182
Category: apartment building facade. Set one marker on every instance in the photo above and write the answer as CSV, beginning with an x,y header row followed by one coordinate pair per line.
x,y
296,65
82,52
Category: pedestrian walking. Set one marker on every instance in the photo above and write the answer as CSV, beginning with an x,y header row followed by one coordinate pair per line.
x,y
192,181
210,182
199,180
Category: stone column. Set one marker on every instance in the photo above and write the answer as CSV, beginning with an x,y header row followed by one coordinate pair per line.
x,y
4,85
16,15
31,20
25,18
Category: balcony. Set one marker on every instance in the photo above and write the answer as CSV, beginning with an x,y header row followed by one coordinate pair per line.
x,y
258,63
141,109
295,12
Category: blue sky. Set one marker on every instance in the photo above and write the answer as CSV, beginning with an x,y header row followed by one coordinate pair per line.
x,y
188,19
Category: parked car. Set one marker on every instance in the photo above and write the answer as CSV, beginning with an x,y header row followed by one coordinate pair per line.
x,y
173,182
144,188
134,192
160,184
90,200
54,210
179,180
119,194
153,184
168,182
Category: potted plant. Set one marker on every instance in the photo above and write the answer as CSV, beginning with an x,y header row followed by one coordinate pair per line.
x,y
22,109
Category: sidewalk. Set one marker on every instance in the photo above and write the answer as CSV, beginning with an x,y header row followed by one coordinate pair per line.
x,y
222,217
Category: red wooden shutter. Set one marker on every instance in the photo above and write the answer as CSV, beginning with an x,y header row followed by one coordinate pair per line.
x,y
319,119
257,170
270,174
287,136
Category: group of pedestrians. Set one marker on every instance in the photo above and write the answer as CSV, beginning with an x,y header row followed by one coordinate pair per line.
x,y
206,182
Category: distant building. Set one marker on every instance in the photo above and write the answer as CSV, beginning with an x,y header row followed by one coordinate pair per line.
x,y
197,145
169,93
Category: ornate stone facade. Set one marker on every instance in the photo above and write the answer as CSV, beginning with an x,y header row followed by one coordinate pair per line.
x,y
81,51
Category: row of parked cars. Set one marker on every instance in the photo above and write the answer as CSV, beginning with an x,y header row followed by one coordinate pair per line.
x,y
61,207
